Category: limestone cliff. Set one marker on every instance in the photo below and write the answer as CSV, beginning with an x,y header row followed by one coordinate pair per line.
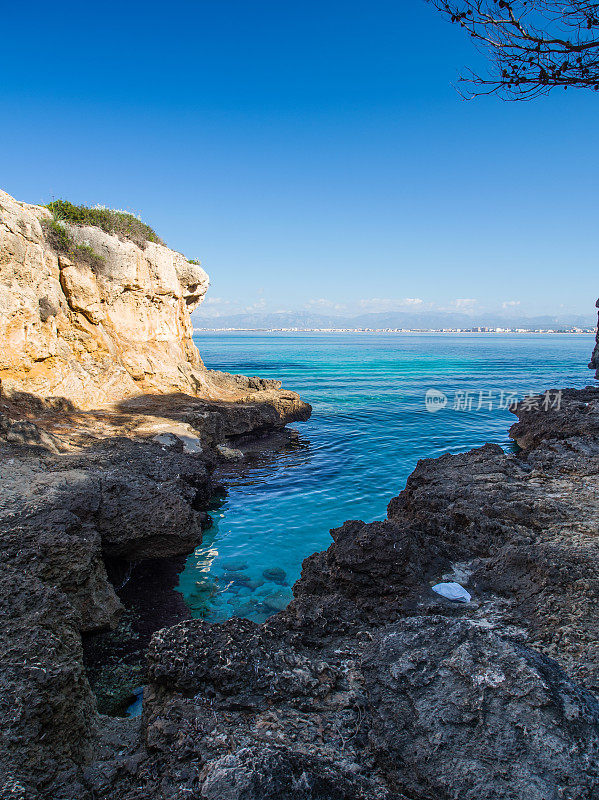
x,y
94,334
110,427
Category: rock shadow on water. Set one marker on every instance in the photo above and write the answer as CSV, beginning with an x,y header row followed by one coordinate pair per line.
x,y
115,660
153,596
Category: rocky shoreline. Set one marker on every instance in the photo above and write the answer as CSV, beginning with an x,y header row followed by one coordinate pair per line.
x,y
70,519
594,363
110,429
369,685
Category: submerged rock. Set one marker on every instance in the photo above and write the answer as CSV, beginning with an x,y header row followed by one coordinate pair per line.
x,y
235,565
275,575
277,601
251,583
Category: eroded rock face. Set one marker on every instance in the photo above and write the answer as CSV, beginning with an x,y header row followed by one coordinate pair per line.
x,y
109,428
97,334
117,331
595,357
61,516
46,706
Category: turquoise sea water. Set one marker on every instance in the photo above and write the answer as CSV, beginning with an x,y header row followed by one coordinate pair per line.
x,y
369,427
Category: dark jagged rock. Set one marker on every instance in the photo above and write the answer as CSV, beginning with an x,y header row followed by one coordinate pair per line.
x,y
46,706
237,658
281,710
270,773
460,712
577,417
81,491
595,357
61,515
375,676
377,566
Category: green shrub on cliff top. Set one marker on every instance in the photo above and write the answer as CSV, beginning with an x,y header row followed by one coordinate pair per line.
x,y
62,241
120,223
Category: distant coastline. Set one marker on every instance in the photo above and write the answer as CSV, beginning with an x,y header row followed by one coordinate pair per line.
x,y
565,330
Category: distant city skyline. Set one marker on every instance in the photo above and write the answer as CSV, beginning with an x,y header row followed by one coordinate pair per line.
x,y
430,319
323,162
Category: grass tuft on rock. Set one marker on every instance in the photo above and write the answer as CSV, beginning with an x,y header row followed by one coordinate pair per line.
x,y
61,240
121,223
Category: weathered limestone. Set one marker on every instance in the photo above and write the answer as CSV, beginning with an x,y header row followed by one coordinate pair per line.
x,y
94,335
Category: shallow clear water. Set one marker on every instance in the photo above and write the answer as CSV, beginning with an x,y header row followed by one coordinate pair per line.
x,y
368,429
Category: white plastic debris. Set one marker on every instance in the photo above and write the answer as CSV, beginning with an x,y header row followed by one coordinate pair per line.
x,y
453,591
191,444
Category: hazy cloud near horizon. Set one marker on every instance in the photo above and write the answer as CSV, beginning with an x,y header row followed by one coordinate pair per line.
x,y
381,312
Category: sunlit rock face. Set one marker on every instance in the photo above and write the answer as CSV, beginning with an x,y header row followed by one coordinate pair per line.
x,y
100,333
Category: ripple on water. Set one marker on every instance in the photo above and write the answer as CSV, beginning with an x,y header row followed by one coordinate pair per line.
x,y
368,429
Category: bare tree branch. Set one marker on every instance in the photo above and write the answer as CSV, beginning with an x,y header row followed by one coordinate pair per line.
x,y
534,45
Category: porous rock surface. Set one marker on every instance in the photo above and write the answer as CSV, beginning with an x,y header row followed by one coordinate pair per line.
x,y
370,685
93,334
595,357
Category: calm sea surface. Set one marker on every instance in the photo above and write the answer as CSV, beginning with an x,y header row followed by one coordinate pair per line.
x,y
368,429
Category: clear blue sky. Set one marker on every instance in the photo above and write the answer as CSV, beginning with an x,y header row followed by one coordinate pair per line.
x,y
308,153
